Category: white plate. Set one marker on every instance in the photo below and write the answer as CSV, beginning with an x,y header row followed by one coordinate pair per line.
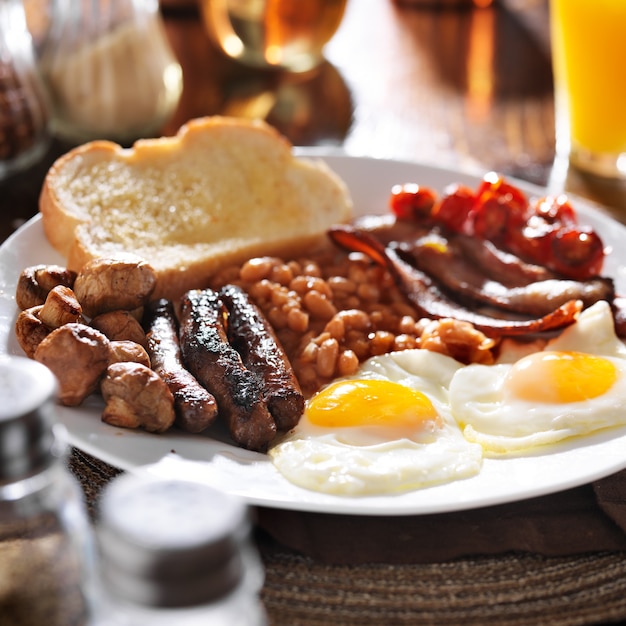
x,y
250,475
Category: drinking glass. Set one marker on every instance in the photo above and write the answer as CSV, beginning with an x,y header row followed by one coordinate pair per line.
x,y
588,49
279,34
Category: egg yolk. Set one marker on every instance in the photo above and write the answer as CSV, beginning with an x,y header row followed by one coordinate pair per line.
x,y
559,377
370,403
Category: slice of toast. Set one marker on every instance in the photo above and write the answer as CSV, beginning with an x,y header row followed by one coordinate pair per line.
x,y
221,191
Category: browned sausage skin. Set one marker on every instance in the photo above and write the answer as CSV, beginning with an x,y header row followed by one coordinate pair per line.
x,y
207,353
196,408
432,302
252,336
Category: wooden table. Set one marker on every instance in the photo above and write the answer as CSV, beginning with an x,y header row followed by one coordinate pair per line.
x,y
462,88
465,88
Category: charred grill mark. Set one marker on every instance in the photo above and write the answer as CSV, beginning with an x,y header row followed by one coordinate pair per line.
x,y
251,335
431,301
503,267
195,407
439,259
219,367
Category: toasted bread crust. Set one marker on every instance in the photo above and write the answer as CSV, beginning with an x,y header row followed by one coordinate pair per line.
x,y
220,191
59,224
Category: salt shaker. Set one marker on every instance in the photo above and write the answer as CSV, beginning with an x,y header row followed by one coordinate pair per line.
x,y
24,135
46,546
176,552
109,70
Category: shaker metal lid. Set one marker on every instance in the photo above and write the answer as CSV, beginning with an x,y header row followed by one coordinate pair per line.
x,y
28,392
170,542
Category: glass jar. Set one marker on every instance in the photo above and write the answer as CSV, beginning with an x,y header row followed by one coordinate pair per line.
x,y
273,34
46,548
24,133
176,552
109,70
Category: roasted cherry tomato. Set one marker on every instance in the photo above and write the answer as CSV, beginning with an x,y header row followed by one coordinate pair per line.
x,y
578,253
489,218
494,185
532,241
411,201
543,232
556,210
454,207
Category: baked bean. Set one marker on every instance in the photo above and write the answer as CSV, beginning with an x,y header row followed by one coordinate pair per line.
x,y
377,318
261,291
358,343
292,301
405,342
421,324
331,311
321,286
327,358
295,267
381,342
279,296
277,317
297,320
406,325
318,305
351,302
281,274
355,319
341,285
321,338
310,268
257,269
336,327
309,353
402,308
357,274
299,284
368,292
347,363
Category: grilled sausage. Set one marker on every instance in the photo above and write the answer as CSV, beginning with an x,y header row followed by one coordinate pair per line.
x,y
208,355
440,258
432,302
253,337
195,407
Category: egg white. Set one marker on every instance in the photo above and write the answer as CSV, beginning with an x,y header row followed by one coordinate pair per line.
x,y
593,333
505,426
373,460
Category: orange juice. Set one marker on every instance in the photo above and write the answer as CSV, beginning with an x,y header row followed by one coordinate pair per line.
x,y
273,33
589,52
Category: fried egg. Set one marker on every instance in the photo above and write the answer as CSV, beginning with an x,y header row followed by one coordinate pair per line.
x,y
387,429
575,386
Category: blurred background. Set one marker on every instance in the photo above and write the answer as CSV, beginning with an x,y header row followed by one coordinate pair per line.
x,y
457,83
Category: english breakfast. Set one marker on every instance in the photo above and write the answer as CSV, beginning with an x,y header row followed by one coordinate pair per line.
x,y
366,355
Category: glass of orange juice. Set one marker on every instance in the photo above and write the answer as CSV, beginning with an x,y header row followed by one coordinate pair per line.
x,y
589,50
280,34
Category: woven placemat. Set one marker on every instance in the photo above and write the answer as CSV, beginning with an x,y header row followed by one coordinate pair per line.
x,y
507,590
510,588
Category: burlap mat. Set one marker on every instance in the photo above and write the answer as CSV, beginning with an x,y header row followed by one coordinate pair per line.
x,y
558,560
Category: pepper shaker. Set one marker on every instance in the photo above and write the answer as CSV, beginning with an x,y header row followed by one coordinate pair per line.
x,y
176,552
46,546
